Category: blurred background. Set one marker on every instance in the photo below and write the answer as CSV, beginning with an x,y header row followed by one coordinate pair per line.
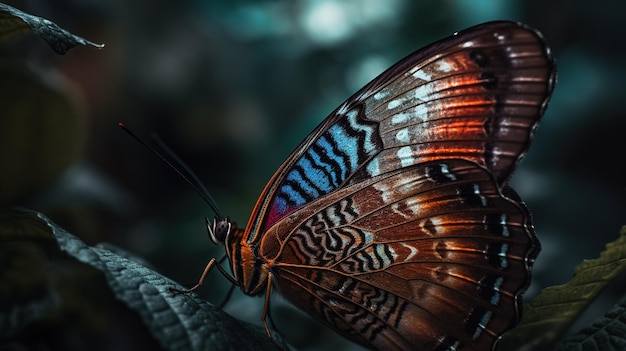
x,y
233,86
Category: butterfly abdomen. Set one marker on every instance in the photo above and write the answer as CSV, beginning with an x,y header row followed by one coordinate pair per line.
x,y
250,269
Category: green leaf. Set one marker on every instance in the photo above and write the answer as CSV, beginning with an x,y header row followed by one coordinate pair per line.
x,y
176,321
549,316
14,21
606,334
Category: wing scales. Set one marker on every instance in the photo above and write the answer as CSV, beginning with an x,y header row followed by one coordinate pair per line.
x,y
439,239
477,96
392,222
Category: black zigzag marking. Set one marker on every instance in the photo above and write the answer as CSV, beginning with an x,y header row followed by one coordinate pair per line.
x,y
331,160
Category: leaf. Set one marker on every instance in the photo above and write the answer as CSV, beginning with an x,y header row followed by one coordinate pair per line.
x,y
548,317
606,334
24,297
14,21
49,300
176,321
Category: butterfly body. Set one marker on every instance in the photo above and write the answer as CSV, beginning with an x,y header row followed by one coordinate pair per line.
x,y
392,222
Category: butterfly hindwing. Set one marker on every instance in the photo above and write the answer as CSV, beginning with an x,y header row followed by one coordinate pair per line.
x,y
446,255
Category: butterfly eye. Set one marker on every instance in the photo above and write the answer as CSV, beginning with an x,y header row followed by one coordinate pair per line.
x,y
219,230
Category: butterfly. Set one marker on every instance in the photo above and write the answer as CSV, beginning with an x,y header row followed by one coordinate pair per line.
x,y
392,222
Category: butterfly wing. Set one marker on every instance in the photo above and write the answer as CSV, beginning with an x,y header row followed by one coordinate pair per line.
x,y
477,95
432,256
392,221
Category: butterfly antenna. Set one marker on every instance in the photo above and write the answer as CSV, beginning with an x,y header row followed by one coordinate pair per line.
x,y
201,188
191,178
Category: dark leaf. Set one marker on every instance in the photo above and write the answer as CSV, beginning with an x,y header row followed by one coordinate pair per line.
x,y
606,334
14,21
547,318
24,296
178,322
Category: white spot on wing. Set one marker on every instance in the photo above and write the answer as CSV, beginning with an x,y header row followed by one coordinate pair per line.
x,y
495,299
405,155
444,66
406,185
373,167
398,191
420,112
381,95
422,92
436,222
504,263
483,199
412,253
416,114
385,191
482,325
400,118
420,74
446,172
394,103
505,229
403,135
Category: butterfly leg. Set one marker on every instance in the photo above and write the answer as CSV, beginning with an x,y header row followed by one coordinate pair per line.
x,y
266,307
213,262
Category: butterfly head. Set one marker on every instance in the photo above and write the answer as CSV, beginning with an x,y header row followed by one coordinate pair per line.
x,y
250,276
219,230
